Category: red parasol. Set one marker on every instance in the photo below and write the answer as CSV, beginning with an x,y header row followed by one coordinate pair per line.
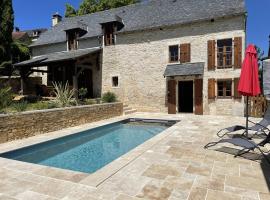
x,y
249,80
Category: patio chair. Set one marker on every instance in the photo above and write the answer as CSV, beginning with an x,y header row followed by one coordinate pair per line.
x,y
247,145
259,127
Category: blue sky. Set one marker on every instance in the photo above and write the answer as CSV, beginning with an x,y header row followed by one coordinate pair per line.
x,y
31,14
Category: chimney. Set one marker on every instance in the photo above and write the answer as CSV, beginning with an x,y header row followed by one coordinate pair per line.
x,y
56,18
17,29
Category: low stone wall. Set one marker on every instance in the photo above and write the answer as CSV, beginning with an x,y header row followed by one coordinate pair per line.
x,y
27,124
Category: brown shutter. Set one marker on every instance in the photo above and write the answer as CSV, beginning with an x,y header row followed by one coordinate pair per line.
x,y
237,52
188,55
211,54
236,93
172,97
211,89
198,96
185,53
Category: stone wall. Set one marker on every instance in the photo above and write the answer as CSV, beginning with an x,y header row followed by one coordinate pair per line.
x,y
139,60
27,124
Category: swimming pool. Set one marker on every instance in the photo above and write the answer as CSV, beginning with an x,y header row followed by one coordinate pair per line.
x,y
92,149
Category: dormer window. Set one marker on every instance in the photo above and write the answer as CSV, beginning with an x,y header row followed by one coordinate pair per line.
x,y
74,32
109,34
72,40
109,28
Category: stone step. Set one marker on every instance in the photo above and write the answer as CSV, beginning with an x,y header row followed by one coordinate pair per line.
x,y
130,111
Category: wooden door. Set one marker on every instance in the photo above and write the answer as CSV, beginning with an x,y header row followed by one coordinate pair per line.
x,y
198,96
172,97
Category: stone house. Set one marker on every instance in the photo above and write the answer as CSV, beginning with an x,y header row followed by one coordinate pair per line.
x,y
162,56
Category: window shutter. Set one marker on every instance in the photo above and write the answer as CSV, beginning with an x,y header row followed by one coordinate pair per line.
x,y
184,53
211,54
236,93
237,52
211,88
198,96
188,55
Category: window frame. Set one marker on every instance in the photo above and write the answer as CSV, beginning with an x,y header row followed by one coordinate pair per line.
x,y
224,53
109,30
225,89
72,42
178,54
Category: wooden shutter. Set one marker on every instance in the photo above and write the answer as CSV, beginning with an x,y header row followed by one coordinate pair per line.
x,y
237,52
211,89
211,54
198,96
236,93
185,55
172,97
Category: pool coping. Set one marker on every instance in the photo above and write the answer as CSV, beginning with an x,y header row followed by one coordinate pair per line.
x,y
95,179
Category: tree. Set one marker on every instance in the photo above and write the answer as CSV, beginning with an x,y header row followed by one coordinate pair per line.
x,y
70,11
260,56
88,6
6,27
91,6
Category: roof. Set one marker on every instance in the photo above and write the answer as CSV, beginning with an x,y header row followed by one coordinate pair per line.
x,y
31,32
147,15
57,57
18,35
185,69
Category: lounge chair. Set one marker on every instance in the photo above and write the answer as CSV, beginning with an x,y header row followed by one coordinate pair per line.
x,y
247,145
259,127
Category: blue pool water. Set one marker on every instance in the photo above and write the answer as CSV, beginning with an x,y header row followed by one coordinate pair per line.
x,y
90,150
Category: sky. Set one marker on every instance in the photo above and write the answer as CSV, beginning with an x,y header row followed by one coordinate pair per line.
x,y
31,14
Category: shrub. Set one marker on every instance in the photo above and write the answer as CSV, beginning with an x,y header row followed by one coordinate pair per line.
x,y
5,97
63,94
20,106
82,93
109,97
42,105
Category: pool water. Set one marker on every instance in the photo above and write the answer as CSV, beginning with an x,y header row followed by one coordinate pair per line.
x,y
90,150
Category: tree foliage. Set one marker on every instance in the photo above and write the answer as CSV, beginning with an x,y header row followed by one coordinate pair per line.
x,y
6,27
70,11
91,6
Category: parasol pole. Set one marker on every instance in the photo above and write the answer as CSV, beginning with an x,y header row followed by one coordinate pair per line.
x,y
247,118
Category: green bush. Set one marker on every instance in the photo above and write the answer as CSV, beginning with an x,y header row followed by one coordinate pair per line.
x,y
5,97
82,93
109,97
64,95
20,106
42,105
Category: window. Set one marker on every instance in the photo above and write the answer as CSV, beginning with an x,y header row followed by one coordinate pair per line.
x,y
173,53
224,88
224,53
115,82
72,41
109,35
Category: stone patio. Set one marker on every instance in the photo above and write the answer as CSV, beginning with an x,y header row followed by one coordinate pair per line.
x,y
173,165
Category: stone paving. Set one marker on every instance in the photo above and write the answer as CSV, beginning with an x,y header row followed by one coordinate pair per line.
x,y
173,165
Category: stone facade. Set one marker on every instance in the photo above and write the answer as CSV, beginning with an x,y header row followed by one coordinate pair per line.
x,y
139,60
27,124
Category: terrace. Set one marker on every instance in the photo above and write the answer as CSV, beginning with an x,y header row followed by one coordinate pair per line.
x,y
172,165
